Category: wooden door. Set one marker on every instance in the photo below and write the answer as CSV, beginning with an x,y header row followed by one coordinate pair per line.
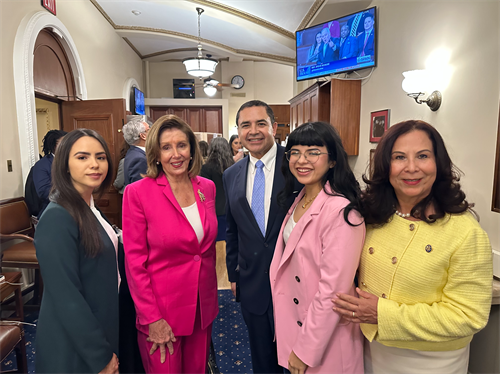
x,y
293,115
106,117
195,119
212,118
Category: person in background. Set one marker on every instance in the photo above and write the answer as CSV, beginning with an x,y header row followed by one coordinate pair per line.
x,y
77,329
253,222
42,177
203,149
219,159
314,52
425,274
169,231
366,40
236,147
347,44
317,254
119,182
135,133
329,51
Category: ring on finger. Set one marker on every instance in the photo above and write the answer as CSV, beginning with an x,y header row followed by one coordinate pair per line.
x,y
353,315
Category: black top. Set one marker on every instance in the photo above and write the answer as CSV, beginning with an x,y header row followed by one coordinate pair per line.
x,y
212,172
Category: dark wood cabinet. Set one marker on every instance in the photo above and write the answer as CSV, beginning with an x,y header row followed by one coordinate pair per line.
x,y
337,102
282,116
201,119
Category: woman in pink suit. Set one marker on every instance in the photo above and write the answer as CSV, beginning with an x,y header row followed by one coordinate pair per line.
x,y
317,255
169,230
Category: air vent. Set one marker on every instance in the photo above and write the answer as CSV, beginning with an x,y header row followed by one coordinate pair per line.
x,y
238,94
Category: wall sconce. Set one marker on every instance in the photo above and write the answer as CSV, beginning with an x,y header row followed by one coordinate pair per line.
x,y
416,83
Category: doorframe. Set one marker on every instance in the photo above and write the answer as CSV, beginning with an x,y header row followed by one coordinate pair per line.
x,y
24,45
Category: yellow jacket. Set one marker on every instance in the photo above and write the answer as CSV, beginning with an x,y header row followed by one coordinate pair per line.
x,y
433,282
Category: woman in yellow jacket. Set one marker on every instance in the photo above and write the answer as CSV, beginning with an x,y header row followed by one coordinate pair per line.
x,y
425,274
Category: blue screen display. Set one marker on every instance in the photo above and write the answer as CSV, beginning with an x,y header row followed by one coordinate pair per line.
x,y
338,46
139,101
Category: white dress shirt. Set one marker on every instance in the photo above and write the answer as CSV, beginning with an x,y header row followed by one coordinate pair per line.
x,y
269,160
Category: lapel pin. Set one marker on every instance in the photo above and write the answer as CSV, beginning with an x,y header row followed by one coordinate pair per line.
x,y
428,248
202,197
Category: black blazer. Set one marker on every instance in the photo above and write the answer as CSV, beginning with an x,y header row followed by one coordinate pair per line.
x,y
134,165
77,329
213,173
248,253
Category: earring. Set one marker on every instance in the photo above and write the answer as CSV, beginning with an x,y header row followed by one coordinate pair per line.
x,y
157,162
191,157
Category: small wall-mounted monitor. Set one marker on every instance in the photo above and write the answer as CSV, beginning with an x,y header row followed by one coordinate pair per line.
x,y
184,89
139,102
341,45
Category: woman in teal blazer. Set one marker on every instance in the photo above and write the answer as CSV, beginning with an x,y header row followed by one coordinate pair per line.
x,y
78,323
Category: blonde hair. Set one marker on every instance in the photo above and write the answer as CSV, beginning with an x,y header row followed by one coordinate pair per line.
x,y
153,151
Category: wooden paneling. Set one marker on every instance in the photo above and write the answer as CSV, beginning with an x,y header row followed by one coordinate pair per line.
x,y
194,118
201,119
106,117
213,119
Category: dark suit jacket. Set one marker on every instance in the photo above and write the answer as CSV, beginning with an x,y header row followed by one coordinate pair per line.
x,y
328,54
213,173
42,178
349,48
246,248
134,165
369,47
77,328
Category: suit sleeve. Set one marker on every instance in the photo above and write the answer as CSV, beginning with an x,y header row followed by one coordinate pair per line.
x,y
138,166
120,177
135,245
58,253
231,236
42,178
465,304
341,251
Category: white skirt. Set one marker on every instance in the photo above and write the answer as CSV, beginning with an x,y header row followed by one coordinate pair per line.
x,y
382,359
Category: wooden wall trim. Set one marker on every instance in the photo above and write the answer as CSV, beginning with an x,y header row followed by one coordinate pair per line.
x,y
495,204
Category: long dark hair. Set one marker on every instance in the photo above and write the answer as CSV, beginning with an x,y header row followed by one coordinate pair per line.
x,y
49,141
231,140
220,155
64,193
379,199
340,177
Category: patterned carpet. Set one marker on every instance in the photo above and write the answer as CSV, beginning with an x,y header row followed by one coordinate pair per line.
x,y
229,335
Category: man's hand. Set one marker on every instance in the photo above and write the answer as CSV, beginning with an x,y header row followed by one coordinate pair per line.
x,y
233,288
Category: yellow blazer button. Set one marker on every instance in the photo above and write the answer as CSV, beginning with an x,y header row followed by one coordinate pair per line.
x,y
412,227
384,296
394,260
371,250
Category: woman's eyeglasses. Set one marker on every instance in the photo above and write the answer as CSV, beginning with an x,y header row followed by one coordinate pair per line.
x,y
312,156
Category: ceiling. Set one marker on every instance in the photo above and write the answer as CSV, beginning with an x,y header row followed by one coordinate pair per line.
x,y
233,30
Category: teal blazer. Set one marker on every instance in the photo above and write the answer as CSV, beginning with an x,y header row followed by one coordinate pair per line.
x,y
77,330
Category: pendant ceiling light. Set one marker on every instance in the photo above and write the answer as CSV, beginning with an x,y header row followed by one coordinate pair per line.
x,y
200,66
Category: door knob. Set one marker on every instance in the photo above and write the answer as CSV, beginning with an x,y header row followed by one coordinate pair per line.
x,y
119,130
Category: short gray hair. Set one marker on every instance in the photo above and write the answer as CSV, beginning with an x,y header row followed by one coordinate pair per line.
x,y
133,129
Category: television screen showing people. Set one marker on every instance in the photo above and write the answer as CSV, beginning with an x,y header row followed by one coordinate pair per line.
x,y
139,101
341,45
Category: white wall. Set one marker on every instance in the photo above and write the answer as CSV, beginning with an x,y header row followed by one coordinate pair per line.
x,y
409,32
107,62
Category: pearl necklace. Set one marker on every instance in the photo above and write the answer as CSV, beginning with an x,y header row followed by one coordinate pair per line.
x,y
310,201
402,215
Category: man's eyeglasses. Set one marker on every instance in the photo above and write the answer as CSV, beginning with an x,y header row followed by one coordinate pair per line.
x,y
312,156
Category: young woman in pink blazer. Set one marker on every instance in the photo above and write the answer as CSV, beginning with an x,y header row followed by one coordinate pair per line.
x,y
169,231
317,255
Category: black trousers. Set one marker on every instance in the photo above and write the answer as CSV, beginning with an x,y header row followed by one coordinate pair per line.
x,y
262,344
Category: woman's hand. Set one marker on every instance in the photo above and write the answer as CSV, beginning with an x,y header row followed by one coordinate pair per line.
x,y
111,367
238,156
295,364
160,334
362,310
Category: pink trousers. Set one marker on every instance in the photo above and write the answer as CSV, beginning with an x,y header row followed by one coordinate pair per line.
x,y
190,352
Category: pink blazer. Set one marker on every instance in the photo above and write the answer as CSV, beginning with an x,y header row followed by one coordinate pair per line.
x,y
319,260
168,271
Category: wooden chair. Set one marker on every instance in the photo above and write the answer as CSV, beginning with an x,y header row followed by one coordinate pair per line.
x,y
12,339
15,223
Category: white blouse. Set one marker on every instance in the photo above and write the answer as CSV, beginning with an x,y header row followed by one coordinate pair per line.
x,y
290,225
193,216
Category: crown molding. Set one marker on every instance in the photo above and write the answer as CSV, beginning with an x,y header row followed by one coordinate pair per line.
x,y
315,8
133,48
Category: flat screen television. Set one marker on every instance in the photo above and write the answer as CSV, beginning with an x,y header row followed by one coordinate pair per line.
x,y
139,101
338,46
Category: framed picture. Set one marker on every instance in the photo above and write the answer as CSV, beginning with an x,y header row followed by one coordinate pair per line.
x,y
379,124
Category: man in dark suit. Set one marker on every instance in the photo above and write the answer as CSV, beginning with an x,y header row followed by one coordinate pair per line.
x,y
253,223
347,44
366,40
329,50
135,164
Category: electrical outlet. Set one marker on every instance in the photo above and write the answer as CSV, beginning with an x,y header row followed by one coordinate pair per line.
x,y
9,165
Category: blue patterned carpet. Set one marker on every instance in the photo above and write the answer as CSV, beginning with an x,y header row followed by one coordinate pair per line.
x,y
229,334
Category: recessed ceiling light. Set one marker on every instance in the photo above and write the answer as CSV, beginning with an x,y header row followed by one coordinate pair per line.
x,y
136,12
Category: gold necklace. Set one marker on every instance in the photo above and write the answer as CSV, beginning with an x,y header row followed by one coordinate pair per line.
x,y
310,201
